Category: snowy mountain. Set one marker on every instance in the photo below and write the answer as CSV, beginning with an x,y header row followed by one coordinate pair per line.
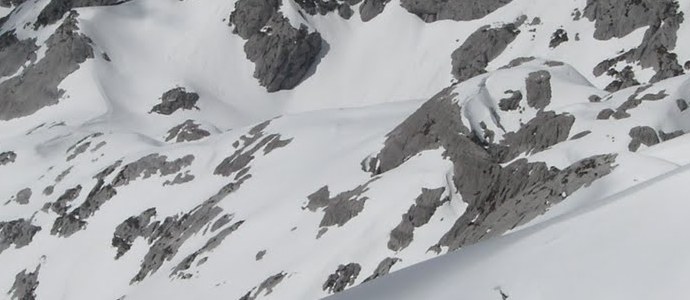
x,y
301,149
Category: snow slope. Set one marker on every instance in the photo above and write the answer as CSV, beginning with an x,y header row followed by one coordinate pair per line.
x,y
141,158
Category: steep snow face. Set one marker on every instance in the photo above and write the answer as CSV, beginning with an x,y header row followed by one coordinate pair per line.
x,y
261,149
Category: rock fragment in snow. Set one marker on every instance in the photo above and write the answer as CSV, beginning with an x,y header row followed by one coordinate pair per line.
x,y
383,268
174,100
211,244
538,85
131,229
341,208
7,158
14,53
150,165
512,102
681,103
559,37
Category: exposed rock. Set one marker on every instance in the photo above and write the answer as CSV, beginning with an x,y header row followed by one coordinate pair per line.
x,y
180,178
23,196
458,10
250,16
341,208
418,215
169,236
580,135
25,285
671,135
19,232
594,99
618,18
498,197
283,55
175,99
559,37
260,255
37,85
633,102
14,53
131,229
538,86
516,62
682,106
371,8
624,79
383,268
605,114
54,11
481,47
150,165
211,244
48,190
79,150
267,285
512,102
68,224
343,277
642,135
7,157
255,140
186,132
222,221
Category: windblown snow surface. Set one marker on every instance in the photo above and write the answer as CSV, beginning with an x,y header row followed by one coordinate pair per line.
x,y
375,149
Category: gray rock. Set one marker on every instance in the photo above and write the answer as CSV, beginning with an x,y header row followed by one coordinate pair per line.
x,y
48,190
37,85
260,255
618,18
54,11
481,47
133,228
321,7
498,197
642,135
174,100
458,10
25,285
222,221
417,216
266,286
211,244
581,135
170,235
150,165
19,232
255,140
343,277
282,54
605,114
180,178
14,53
633,101
341,208
383,268
516,62
186,132
512,102
371,8
250,16
671,135
624,79
7,157
68,224
681,103
23,196
559,37
61,205
538,86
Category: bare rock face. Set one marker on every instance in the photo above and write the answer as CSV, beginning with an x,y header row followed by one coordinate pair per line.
x,y
25,284
266,287
344,276
7,157
14,53
383,268
481,47
458,10
618,18
283,55
176,99
37,85
642,135
371,8
18,232
418,215
188,131
499,197
54,11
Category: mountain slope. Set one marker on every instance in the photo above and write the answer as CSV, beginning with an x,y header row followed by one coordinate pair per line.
x,y
261,149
